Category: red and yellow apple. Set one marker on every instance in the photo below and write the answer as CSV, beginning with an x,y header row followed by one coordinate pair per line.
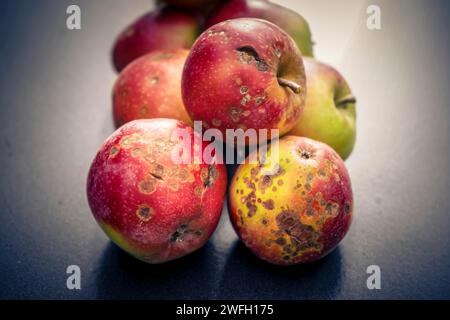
x,y
151,206
149,87
162,29
330,109
290,21
244,73
294,207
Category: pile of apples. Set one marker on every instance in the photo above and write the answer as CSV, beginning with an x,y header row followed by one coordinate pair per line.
x,y
237,64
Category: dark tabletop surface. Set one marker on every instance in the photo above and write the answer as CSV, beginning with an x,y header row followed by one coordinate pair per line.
x,y
55,105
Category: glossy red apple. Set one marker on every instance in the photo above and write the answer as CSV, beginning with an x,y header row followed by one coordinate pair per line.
x,y
149,87
162,29
149,205
244,73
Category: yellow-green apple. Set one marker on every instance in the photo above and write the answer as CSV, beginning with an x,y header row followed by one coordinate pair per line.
x,y
149,87
294,207
149,204
330,109
242,74
165,28
288,20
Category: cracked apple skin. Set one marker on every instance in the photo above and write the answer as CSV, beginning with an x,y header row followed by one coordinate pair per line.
x,y
162,29
149,87
244,74
295,210
149,206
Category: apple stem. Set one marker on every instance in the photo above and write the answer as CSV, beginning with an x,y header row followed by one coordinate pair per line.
x,y
290,84
346,100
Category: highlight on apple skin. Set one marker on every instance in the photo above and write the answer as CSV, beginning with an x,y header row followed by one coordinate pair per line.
x,y
165,28
293,210
149,87
330,109
288,20
244,73
154,209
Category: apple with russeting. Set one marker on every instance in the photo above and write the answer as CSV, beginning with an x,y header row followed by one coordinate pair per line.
x,y
330,109
288,20
165,28
149,203
244,74
149,87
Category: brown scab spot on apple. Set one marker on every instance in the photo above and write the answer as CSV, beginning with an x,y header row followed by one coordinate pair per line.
x,y
265,182
144,212
302,236
143,110
209,175
183,232
235,113
157,171
269,204
245,99
114,151
147,186
248,55
243,90
153,80
216,122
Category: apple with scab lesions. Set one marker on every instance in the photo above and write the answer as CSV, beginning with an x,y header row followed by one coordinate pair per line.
x,y
296,205
151,205
165,28
330,109
149,87
242,74
288,20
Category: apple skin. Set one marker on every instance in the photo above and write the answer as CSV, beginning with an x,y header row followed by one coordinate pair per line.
x,y
190,3
149,206
149,87
244,73
288,20
330,109
295,210
162,29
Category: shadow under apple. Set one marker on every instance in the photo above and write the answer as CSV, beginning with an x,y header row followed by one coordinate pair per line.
x,y
245,276
120,276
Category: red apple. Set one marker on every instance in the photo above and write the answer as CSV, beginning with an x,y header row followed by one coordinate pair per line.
x,y
244,73
190,3
163,29
149,87
149,205
290,21
296,206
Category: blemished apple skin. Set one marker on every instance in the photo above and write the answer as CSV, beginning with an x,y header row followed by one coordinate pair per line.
x,y
244,73
330,109
150,207
149,87
162,29
295,210
288,20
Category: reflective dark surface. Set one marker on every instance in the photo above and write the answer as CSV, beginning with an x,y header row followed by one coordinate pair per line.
x,y
55,103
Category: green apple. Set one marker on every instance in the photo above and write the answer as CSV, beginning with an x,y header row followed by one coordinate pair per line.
x,y
330,109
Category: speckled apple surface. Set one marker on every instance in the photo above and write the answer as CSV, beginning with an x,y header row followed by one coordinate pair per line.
x,y
55,106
